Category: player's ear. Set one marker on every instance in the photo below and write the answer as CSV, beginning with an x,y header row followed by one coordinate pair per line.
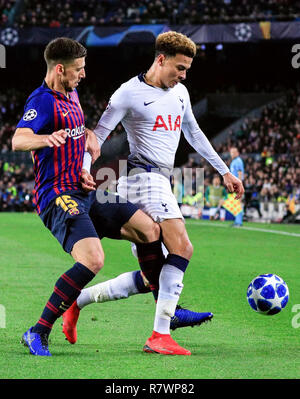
x,y
59,69
161,59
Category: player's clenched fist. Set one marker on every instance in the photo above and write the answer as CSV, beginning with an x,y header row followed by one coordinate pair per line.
x,y
56,138
234,185
87,181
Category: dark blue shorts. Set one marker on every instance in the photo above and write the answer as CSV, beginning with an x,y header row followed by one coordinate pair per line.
x,y
75,215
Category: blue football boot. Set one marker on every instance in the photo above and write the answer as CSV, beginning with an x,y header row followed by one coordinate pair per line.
x,y
186,318
37,343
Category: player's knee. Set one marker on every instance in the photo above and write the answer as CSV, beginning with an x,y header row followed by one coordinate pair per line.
x,y
95,261
189,250
98,261
152,231
186,249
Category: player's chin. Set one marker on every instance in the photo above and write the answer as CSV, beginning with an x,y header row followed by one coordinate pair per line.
x,y
75,84
71,87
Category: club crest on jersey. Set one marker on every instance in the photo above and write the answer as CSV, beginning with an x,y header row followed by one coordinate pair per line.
x,y
73,211
165,207
168,124
182,102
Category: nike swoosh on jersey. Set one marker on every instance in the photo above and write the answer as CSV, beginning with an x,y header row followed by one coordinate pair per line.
x,y
78,137
65,114
148,103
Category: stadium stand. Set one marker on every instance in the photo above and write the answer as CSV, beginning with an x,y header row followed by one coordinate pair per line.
x,y
16,185
16,172
60,13
269,144
270,147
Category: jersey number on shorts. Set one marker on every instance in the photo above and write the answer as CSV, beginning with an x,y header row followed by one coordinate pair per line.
x,y
67,204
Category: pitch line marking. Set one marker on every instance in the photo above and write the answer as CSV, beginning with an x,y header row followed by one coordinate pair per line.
x,y
285,233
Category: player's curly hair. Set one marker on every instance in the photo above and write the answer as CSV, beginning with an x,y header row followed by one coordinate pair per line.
x,y
63,50
172,43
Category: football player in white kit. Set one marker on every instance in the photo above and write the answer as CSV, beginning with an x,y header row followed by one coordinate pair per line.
x,y
154,108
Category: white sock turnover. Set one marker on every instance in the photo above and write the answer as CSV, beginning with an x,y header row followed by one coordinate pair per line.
x,y
120,287
170,287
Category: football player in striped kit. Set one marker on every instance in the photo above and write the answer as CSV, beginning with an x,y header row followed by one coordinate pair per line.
x,y
53,129
153,108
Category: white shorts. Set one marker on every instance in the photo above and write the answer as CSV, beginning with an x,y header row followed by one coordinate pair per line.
x,y
152,193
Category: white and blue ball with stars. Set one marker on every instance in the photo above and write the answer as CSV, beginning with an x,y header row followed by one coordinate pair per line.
x,y
267,294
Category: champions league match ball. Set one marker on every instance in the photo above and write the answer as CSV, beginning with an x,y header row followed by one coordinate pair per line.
x,y
267,294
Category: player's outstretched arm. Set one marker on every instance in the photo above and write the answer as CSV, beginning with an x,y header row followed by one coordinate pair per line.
x,y
25,139
233,185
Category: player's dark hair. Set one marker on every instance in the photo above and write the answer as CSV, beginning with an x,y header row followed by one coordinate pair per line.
x,y
172,43
63,50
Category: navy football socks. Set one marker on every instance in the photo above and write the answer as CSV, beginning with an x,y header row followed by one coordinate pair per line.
x,y
151,260
66,290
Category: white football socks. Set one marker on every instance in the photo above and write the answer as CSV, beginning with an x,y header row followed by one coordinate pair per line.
x,y
123,286
170,287
120,287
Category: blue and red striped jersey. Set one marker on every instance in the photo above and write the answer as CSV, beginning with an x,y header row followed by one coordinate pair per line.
x,y
57,169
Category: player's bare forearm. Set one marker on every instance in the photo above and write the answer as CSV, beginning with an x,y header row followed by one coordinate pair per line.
x,y
87,181
25,139
92,146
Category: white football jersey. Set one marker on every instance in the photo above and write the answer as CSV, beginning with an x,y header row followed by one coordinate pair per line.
x,y
153,119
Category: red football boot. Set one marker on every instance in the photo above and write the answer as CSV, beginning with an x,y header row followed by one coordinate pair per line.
x,y
164,344
70,318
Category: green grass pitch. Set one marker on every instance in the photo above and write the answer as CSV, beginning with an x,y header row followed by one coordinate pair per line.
x,y
237,344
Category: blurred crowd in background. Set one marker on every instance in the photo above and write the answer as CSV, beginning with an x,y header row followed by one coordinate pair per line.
x,y
269,146
16,186
16,181
66,13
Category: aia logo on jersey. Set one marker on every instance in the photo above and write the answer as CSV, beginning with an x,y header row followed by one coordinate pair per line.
x,y
168,124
